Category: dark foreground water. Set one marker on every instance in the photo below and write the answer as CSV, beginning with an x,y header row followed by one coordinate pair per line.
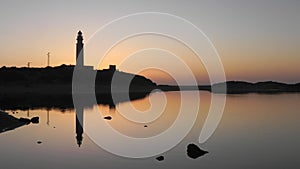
x,y
256,131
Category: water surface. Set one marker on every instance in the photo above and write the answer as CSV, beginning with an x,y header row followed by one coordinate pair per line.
x,y
256,131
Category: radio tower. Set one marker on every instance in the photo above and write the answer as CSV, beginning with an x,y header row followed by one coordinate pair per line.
x,y
48,54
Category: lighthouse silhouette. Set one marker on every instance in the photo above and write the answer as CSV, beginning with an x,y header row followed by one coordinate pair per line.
x,y
79,111
79,50
83,86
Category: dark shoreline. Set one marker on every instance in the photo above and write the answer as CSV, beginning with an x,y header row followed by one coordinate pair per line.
x,y
60,95
239,87
23,88
267,87
232,87
58,80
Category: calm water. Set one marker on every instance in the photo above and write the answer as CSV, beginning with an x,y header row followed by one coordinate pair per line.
x,y
256,131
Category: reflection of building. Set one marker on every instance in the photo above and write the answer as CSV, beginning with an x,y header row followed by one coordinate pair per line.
x,y
79,129
85,70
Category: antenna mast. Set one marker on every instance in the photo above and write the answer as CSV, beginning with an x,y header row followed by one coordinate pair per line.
x,y
48,54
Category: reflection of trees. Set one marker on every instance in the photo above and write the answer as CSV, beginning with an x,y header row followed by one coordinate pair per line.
x,y
62,102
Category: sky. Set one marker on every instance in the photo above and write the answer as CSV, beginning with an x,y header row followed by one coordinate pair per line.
x,y
256,40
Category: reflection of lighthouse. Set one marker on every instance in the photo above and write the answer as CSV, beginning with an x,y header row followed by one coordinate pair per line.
x,y
79,110
83,87
79,128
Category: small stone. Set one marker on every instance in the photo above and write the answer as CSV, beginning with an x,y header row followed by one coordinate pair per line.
x,y
193,151
39,142
108,118
160,158
145,126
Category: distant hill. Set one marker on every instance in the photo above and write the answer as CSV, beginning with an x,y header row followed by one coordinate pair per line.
x,y
235,87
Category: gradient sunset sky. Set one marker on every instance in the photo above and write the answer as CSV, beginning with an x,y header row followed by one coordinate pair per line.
x,y
257,40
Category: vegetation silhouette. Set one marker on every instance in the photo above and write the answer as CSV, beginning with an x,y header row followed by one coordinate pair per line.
x,y
51,87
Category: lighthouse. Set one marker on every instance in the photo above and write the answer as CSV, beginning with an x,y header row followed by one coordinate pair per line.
x,y
79,50
83,87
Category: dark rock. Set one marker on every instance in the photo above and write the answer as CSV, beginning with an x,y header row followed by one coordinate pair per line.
x,y
193,151
27,121
9,122
39,142
35,120
108,118
145,126
160,158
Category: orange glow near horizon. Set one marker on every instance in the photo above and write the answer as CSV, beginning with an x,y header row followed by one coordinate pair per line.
x,y
253,46
237,65
253,65
152,52
164,77
248,67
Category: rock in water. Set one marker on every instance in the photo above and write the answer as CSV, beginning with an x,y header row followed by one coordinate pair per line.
x,y
108,118
160,158
27,121
193,151
35,120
